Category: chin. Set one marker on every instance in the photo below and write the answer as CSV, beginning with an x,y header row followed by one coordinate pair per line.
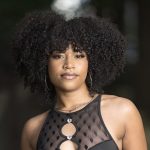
x,y
68,87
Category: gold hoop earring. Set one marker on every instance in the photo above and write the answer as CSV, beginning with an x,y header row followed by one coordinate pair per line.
x,y
46,85
91,81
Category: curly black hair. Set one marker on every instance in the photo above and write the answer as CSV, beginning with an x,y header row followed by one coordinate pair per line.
x,y
42,32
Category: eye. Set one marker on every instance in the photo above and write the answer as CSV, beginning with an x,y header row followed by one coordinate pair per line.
x,y
57,56
79,55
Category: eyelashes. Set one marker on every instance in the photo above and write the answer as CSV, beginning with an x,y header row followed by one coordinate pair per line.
x,y
80,55
56,56
77,55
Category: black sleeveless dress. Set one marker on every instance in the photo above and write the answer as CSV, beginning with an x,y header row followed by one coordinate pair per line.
x,y
90,130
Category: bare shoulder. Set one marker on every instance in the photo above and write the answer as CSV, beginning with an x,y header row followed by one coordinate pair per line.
x,y
36,121
31,131
123,108
117,111
122,113
119,104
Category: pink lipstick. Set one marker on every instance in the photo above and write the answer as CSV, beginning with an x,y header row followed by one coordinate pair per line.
x,y
69,76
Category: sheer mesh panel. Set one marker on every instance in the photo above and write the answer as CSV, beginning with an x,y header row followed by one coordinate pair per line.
x,y
90,130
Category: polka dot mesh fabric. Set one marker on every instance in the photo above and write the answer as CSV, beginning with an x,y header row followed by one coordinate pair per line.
x,y
80,130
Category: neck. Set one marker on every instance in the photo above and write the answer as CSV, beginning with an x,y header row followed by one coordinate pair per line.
x,y
66,100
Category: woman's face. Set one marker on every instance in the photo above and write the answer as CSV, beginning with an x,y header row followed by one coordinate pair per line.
x,y
68,70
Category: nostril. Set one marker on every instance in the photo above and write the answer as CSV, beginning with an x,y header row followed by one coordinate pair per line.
x,y
68,65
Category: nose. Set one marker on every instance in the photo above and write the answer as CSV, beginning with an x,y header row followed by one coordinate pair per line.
x,y
68,63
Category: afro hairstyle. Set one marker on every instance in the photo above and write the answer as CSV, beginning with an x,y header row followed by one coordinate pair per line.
x,y
42,32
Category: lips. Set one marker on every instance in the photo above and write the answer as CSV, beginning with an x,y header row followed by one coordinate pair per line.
x,y
69,76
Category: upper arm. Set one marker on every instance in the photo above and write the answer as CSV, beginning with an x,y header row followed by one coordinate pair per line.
x,y
26,135
134,138
31,131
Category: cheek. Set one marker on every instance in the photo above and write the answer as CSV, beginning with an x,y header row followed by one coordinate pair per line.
x,y
83,68
53,66
53,70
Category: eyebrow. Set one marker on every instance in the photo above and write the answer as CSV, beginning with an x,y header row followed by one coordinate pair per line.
x,y
63,51
57,51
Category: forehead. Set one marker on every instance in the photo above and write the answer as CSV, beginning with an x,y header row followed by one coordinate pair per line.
x,y
71,47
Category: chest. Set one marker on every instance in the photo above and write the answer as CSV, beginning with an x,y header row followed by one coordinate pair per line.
x,y
82,130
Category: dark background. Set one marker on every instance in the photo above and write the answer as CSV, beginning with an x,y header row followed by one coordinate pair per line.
x,y
18,104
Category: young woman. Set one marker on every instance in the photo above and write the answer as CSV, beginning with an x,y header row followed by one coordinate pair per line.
x,y
69,62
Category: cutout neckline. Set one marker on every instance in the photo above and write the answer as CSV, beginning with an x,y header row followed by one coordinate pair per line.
x,y
74,112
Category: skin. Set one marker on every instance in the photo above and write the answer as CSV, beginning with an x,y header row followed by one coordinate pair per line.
x,y
69,62
127,130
